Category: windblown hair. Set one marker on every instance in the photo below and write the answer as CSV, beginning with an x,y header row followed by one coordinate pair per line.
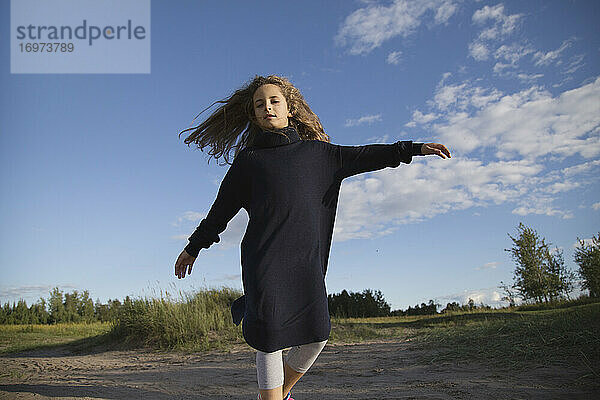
x,y
234,124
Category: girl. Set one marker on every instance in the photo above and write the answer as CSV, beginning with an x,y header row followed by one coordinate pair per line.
x,y
287,175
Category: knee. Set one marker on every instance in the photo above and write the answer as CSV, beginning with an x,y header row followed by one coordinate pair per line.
x,y
294,368
301,358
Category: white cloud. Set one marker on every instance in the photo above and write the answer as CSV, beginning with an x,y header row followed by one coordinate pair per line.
x,y
596,206
419,118
488,296
447,95
512,53
495,13
394,57
232,236
367,28
378,139
463,96
500,67
188,216
542,209
580,168
367,119
444,12
502,25
529,123
489,265
374,204
32,291
542,58
575,64
445,76
586,242
478,51
524,131
529,77
230,277
229,238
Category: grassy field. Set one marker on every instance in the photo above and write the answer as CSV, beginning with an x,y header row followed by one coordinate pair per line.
x,y
15,338
568,335
507,339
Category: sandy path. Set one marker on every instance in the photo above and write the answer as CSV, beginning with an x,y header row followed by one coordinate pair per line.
x,y
374,370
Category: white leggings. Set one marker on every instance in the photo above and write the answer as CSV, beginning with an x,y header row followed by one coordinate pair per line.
x,y
269,366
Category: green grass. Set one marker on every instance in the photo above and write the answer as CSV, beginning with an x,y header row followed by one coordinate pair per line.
x,y
16,338
565,336
507,338
190,322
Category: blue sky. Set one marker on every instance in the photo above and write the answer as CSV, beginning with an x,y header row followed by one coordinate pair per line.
x,y
99,192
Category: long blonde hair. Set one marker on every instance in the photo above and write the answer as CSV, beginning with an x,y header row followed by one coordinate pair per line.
x,y
234,124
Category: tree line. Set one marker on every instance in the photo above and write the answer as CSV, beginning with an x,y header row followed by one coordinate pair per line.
x,y
540,276
61,307
371,303
79,307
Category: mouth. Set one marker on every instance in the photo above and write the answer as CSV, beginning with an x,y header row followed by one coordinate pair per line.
x,y
269,116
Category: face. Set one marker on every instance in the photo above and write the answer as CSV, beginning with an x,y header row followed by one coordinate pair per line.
x,y
270,107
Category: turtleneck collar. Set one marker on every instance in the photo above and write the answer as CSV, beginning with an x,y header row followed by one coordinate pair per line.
x,y
272,139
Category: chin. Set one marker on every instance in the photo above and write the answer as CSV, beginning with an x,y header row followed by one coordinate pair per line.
x,y
271,126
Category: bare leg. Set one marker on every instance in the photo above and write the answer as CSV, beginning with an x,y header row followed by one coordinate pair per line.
x,y
302,357
272,394
291,377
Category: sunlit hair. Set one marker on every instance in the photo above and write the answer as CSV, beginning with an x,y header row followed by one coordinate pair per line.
x,y
234,126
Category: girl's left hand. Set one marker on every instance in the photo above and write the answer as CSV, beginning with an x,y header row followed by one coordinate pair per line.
x,y
435,148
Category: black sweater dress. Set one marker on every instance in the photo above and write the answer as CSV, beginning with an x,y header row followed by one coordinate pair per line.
x,y
289,187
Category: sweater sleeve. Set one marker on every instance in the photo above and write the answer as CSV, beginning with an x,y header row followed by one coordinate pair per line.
x,y
226,205
353,160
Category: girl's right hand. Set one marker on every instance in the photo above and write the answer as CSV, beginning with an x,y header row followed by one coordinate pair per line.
x,y
184,263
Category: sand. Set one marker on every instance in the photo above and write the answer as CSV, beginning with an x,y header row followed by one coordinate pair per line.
x,y
383,369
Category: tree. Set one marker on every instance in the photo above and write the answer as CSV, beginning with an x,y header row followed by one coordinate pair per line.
x,y
21,313
369,303
85,308
454,306
587,256
57,308
540,274
39,313
71,305
471,304
509,294
562,280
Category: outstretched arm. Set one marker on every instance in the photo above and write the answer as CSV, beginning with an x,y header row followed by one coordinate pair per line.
x,y
225,207
353,160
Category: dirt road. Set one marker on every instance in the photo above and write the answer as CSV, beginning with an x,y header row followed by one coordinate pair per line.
x,y
384,369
